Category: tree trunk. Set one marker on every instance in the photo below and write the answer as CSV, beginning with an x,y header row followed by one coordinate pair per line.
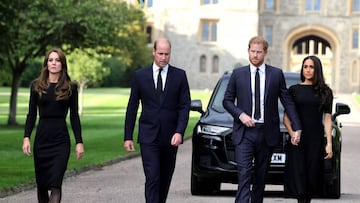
x,y
81,97
13,97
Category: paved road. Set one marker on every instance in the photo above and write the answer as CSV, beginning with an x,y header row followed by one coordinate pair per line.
x,y
124,181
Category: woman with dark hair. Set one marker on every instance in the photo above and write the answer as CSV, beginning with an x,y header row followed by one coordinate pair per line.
x,y
52,94
306,153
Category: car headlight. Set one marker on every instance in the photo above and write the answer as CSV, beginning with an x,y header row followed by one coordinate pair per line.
x,y
212,130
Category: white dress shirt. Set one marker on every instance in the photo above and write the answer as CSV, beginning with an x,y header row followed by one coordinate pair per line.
x,y
262,91
163,74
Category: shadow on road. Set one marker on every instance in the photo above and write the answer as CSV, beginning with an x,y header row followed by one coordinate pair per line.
x,y
232,193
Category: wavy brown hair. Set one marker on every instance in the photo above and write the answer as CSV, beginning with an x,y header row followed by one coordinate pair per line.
x,y
318,82
259,40
63,86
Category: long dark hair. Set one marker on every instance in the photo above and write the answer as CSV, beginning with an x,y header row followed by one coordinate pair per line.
x,y
318,82
63,86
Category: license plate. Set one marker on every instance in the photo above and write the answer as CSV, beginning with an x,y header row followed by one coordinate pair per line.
x,y
278,158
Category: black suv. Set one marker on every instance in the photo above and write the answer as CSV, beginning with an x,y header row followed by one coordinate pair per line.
x,y
213,152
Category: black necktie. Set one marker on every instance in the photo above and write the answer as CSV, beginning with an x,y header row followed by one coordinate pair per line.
x,y
257,95
159,87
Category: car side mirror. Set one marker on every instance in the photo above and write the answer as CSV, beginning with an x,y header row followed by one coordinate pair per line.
x,y
340,109
196,105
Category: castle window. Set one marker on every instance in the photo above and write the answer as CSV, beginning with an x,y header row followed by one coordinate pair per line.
x,y
313,5
355,38
202,2
149,34
355,6
269,5
202,64
149,3
215,64
269,35
355,72
208,30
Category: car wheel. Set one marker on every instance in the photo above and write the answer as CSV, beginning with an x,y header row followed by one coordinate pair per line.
x,y
203,186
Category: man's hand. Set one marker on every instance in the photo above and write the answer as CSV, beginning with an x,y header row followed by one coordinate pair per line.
x,y
176,139
246,120
295,139
129,146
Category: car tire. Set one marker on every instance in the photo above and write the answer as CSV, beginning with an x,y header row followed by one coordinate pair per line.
x,y
203,186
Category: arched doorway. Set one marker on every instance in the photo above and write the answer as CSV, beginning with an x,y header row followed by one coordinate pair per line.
x,y
312,45
314,40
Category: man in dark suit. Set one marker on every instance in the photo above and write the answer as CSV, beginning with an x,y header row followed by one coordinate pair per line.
x,y
256,89
165,99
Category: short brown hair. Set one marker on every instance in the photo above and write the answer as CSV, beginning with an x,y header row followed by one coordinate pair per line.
x,y
259,40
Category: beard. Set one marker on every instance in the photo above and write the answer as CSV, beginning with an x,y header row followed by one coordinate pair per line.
x,y
256,62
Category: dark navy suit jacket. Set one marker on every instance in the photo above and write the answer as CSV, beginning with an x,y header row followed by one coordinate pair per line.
x,y
239,90
158,120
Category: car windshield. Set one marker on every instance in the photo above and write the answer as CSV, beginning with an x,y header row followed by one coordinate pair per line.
x,y
217,105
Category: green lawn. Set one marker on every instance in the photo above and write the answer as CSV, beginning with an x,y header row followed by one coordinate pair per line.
x,y
357,98
102,124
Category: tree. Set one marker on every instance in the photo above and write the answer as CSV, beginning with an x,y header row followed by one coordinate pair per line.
x,y
86,67
30,27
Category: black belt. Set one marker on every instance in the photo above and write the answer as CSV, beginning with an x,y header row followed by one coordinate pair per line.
x,y
259,125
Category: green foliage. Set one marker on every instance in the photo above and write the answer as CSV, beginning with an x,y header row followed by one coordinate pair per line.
x,y
5,77
117,72
31,72
30,27
102,128
85,67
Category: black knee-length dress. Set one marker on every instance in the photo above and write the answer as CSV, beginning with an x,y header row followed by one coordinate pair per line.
x,y
305,162
52,142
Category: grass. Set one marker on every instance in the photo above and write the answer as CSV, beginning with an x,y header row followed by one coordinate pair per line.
x,y
102,126
357,98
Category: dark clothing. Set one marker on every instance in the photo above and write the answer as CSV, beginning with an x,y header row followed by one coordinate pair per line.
x,y
159,165
253,147
52,141
160,119
238,99
304,163
165,118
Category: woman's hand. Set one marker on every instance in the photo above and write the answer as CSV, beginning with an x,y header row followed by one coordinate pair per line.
x,y
329,152
26,146
79,150
295,137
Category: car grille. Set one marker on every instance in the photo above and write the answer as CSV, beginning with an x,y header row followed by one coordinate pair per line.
x,y
218,153
230,148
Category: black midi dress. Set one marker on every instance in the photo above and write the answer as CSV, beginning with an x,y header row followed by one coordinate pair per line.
x,y
52,142
305,162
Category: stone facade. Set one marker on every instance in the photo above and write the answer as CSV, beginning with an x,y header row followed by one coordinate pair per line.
x,y
293,30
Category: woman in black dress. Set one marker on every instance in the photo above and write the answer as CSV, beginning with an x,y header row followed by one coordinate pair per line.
x,y
306,154
52,94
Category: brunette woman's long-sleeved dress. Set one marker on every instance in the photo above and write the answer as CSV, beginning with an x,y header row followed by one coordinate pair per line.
x,y
52,142
304,163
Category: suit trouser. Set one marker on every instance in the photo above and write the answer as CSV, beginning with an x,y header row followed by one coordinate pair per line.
x,y
252,157
159,164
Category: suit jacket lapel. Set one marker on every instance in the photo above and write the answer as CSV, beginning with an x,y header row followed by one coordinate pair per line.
x,y
267,81
169,77
150,79
247,79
